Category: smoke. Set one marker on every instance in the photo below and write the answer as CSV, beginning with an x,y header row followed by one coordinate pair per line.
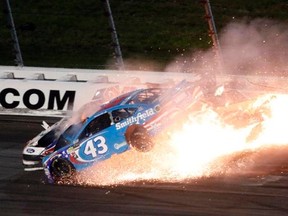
x,y
257,47
247,47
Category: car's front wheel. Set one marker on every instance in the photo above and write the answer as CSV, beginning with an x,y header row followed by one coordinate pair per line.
x,y
62,170
137,137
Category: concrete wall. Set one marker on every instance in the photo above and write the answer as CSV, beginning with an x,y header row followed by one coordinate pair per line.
x,y
58,91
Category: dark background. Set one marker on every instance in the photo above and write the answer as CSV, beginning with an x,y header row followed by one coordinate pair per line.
x,y
76,34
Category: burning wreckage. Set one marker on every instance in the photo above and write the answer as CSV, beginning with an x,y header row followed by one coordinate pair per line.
x,y
134,120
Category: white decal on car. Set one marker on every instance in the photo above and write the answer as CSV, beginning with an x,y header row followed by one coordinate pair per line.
x,y
100,148
135,119
119,145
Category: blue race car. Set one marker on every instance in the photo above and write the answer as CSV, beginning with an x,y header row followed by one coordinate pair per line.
x,y
129,121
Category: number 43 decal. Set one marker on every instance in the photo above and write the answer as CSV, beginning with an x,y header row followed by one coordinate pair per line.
x,y
96,146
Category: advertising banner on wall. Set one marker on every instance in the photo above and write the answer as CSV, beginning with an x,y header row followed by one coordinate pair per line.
x,y
58,93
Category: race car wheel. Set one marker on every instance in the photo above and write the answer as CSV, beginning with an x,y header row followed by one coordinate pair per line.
x,y
137,137
61,169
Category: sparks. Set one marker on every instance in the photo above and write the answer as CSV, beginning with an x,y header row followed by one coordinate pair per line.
x,y
198,147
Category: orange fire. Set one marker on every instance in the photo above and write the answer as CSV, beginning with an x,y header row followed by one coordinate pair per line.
x,y
198,148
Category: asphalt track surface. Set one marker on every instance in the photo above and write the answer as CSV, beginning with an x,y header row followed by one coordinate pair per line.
x,y
25,193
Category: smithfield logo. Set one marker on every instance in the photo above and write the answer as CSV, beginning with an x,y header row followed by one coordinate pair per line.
x,y
135,119
10,98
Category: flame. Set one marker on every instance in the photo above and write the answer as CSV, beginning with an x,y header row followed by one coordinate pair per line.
x,y
205,145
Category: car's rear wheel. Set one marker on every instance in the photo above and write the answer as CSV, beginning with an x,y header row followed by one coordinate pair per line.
x,y
62,170
137,137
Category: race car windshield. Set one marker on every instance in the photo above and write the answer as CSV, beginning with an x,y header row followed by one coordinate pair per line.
x,y
48,138
62,141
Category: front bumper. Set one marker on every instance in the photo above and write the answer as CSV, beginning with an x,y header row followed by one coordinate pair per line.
x,y
32,162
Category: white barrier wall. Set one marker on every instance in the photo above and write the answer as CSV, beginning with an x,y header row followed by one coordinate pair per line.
x,y
57,91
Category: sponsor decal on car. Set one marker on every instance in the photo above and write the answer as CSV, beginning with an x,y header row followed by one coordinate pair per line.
x,y
135,119
119,145
30,150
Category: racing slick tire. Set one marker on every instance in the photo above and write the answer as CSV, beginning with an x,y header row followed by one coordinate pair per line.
x,y
62,170
137,137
